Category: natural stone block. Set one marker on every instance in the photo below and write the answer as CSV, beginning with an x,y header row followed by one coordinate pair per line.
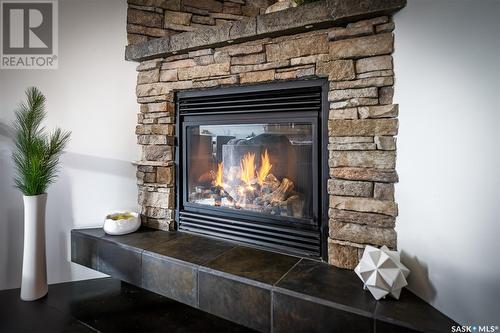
x,y
156,212
378,175
352,146
152,139
362,83
163,129
378,111
242,49
148,65
159,224
261,76
183,63
156,199
371,21
344,33
203,71
385,142
365,159
362,46
157,107
210,5
364,234
145,18
386,27
148,76
336,70
204,60
157,153
385,95
353,102
148,31
350,188
312,59
205,20
349,113
250,59
372,219
165,175
199,53
364,205
259,67
383,191
342,256
367,75
297,48
168,75
165,4
374,64
362,127
350,139
180,18
339,95
293,73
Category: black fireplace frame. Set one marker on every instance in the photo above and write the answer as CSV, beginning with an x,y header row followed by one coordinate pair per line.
x,y
188,214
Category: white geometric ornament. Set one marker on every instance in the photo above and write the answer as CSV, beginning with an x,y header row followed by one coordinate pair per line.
x,y
382,272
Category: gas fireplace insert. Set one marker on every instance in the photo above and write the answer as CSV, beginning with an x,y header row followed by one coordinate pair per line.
x,y
252,165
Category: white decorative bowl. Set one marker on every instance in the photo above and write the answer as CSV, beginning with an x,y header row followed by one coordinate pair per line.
x,y
113,226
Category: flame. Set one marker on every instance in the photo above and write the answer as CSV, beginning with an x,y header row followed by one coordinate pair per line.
x,y
265,167
218,176
247,166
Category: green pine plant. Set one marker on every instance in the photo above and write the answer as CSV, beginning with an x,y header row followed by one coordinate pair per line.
x,y
36,154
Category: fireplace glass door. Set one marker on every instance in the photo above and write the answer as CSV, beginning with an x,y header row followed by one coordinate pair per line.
x,y
258,168
250,165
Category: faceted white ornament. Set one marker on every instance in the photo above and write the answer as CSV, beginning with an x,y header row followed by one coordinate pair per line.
x,y
382,272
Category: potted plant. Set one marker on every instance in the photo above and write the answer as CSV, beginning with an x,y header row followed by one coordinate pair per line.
x,y
36,159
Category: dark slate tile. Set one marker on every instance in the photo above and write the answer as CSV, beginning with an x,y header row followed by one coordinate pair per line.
x,y
109,306
263,266
84,250
92,232
36,316
190,248
292,314
242,303
122,263
382,327
170,278
332,284
143,238
412,312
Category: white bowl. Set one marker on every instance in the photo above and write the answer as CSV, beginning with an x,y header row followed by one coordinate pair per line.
x,y
121,227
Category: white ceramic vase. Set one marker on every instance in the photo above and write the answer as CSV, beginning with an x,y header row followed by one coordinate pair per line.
x,y
34,281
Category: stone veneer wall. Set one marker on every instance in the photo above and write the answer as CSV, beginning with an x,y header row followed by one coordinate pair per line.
x,y
362,122
147,19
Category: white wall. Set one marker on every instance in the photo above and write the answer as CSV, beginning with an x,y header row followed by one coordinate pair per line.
x,y
92,94
447,65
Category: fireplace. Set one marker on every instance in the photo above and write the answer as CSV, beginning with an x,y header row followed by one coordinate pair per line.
x,y
252,164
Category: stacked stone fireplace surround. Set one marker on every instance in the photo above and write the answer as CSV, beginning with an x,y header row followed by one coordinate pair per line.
x,y
357,60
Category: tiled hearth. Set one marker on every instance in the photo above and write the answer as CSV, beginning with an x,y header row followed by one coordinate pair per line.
x,y
348,44
265,291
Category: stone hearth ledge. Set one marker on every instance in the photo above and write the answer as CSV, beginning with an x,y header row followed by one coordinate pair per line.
x,y
316,15
262,290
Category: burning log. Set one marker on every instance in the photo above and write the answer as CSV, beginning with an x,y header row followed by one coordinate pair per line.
x,y
281,193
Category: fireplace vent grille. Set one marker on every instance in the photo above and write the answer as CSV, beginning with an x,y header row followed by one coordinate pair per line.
x,y
304,99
